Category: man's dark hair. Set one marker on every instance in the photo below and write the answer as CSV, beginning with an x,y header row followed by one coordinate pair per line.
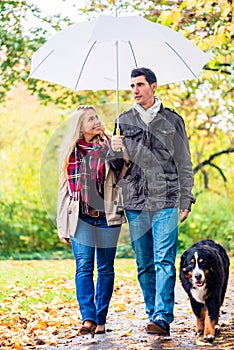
x,y
149,75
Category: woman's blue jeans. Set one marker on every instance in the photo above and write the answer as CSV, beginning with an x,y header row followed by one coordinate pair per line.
x,y
93,235
154,237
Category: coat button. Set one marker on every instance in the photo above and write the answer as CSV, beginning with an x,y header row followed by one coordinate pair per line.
x,y
115,202
114,185
69,212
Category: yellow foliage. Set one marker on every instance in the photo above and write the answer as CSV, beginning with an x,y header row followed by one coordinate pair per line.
x,y
225,12
128,333
221,58
26,239
200,342
165,18
175,16
119,307
219,39
200,25
230,28
191,3
41,328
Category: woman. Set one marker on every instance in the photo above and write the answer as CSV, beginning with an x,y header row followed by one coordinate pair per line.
x,y
90,214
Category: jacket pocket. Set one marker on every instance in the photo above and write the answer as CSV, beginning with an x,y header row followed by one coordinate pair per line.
x,y
133,188
172,182
132,138
163,139
73,214
132,132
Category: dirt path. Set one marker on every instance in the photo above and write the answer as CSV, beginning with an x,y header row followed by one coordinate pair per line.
x,y
127,320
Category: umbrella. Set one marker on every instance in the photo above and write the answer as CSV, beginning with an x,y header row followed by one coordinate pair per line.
x,y
100,54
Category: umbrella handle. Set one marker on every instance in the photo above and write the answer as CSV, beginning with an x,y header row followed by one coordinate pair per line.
x,y
118,133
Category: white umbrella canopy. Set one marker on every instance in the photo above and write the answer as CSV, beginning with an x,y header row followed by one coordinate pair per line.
x,y
100,54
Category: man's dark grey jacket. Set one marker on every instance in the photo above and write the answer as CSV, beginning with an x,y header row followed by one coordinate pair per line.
x,y
159,169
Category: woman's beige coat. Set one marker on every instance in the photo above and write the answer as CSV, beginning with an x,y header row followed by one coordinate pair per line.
x,y
68,209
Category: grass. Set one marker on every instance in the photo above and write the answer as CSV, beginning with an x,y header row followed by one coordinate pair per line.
x,y
40,281
27,283
29,273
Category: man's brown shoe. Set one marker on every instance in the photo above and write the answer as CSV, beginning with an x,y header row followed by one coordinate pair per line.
x,y
158,327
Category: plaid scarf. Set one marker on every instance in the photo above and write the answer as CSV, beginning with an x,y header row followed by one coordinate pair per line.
x,y
86,164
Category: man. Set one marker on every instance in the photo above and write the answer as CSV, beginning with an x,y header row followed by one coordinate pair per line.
x,y
154,150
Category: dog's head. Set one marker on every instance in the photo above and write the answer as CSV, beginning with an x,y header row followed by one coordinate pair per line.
x,y
196,266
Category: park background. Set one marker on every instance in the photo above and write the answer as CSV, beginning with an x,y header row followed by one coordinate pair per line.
x,y
38,308
33,114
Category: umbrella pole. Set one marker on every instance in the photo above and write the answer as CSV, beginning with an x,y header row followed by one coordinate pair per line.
x,y
117,76
117,89
117,84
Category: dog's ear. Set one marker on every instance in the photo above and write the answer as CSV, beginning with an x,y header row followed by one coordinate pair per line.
x,y
182,260
182,267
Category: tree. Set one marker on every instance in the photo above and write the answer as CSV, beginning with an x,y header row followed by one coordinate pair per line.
x,y
206,104
23,30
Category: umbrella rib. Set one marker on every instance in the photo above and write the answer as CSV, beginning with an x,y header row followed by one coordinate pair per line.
x,y
134,57
42,62
181,59
82,68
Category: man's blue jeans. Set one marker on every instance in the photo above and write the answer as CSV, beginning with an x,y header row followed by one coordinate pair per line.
x,y
154,237
94,235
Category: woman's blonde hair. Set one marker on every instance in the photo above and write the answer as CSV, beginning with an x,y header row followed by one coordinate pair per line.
x,y
74,134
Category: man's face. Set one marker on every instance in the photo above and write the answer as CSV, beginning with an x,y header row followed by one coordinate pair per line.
x,y
143,92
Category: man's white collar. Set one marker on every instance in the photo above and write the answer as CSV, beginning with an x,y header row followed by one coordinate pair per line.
x,y
147,115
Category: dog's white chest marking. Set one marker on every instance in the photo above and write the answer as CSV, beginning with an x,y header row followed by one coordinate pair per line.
x,y
198,293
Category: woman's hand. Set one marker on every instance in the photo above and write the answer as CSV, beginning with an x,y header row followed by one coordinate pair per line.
x,y
65,240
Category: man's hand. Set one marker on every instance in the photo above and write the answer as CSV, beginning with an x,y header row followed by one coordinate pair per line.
x,y
183,214
65,240
117,142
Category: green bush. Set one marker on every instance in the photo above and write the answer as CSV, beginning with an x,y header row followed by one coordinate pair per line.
x,y
26,232
211,218
124,248
25,228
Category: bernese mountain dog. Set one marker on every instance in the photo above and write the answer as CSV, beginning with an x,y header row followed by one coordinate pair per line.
x,y
204,270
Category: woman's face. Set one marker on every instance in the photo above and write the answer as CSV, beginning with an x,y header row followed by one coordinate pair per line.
x,y
91,125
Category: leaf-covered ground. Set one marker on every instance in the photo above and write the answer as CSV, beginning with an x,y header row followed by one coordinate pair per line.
x,y
38,310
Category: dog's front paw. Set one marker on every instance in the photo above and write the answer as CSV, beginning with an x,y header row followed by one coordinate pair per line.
x,y
217,329
199,333
209,338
